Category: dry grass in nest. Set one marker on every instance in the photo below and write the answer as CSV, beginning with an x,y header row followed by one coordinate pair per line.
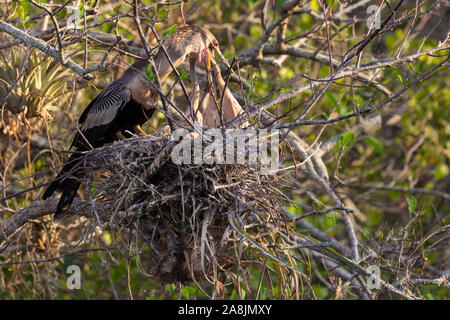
x,y
195,221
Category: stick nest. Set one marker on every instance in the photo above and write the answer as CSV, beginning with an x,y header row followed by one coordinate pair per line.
x,y
195,220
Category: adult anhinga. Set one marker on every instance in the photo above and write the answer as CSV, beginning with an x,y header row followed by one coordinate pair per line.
x,y
127,103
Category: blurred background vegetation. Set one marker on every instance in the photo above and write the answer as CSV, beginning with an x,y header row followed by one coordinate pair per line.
x,y
390,166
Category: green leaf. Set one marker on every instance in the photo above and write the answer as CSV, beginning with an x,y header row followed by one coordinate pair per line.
x,y
412,204
170,287
187,292
80,11
337,147
183,74
332,97
228,54
441,171
376,144
162,14
170,31
347,139
149,73
23,10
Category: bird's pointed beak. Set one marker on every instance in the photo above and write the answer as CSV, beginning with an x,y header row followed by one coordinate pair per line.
x,y
208,60
217,50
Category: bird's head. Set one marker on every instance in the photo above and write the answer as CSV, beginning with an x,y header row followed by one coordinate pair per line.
x,y
210,45
201,45
192,42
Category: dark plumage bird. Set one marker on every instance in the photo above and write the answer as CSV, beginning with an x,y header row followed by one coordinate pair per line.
x,y
127,103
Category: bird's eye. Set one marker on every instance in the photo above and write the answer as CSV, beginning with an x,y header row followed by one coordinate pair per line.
x,y
213,45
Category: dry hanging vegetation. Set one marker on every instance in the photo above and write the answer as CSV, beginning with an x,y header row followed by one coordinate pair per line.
x,y
347,196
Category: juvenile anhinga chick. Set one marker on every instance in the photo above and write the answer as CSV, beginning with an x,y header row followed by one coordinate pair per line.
x,y
127,103
221,107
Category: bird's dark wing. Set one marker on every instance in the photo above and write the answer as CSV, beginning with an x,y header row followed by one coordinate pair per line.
x,y
102,112
105,107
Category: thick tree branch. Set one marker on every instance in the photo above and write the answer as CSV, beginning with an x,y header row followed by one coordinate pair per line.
x,y
47,49
39,209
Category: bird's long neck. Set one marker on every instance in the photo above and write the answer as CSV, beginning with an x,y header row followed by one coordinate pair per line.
x,y
136,69
230,107
163,65
218,77
135,77
136,80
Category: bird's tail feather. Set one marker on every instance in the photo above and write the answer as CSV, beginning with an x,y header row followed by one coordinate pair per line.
x,y
51,189
69,192
68,185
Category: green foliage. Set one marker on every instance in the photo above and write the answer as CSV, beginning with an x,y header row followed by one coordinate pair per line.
x,y
184,75
170,31
410,151
412,204
345,141
149,73
376,144
441,171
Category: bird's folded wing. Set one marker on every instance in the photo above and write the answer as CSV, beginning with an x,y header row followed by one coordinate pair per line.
x,y
105,107
100,114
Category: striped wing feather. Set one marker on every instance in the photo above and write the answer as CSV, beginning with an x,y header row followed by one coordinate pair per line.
x,y
103,110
